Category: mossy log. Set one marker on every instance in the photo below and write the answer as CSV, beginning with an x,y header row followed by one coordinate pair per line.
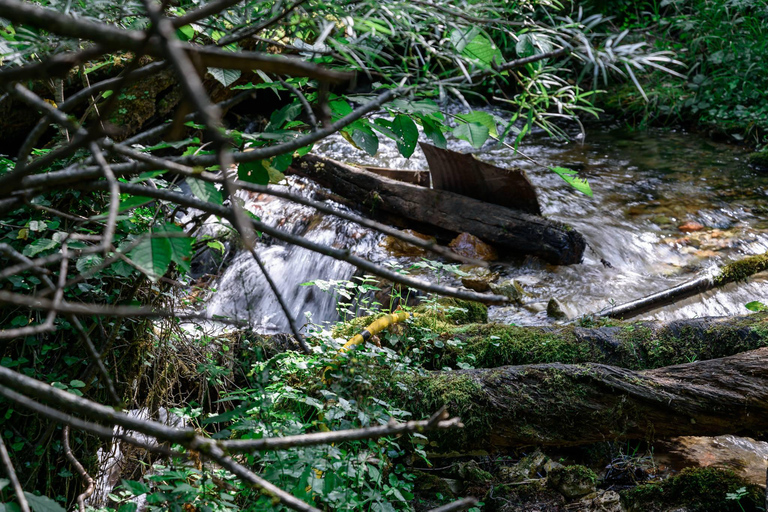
x,y
632,345
733,272
562,404
444,213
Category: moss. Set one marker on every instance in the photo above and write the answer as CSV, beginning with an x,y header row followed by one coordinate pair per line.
x,y
759,159
742,269
454,311
697,489
572,481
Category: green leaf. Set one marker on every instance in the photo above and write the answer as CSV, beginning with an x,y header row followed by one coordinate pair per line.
x,y
282,162
225,76
474,133
87,262
128,507
482,50
407,133
433,131
135,488
365,139
185,33
39,246
253,172
133,202
525,46
205,191
76,384
42,503
571,177
756,305
153,256
483,118
181,246
422,107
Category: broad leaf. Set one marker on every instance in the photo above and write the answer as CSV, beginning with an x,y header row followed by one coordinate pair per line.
x,y
153,256
39,246
185,33
42,503
571,177
253,172
483,118
181,246
433,132
204,190
407,133
135,488
225,76
474,133
756,305
88,262
482,50
133,202
365,139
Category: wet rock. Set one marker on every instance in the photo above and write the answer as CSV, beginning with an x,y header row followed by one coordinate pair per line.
x,y
532,496
604,501
479,279
472,247
530,466
556,310
690,227
744,455
758,160
398,247
508,288
572,481
471,472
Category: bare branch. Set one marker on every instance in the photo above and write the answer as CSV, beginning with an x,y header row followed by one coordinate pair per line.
x,y
5,459
89,482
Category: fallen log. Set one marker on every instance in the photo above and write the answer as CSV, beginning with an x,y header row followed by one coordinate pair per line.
x,y
445,214
733,272
560,404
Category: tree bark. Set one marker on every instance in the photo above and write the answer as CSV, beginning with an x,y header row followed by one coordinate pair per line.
x,y
444,213
560,404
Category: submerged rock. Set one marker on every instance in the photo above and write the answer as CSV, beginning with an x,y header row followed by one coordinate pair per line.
x,y
690,227
398,247
509,288
472,247
556,310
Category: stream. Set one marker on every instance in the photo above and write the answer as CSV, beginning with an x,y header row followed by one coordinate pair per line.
x,y
647,186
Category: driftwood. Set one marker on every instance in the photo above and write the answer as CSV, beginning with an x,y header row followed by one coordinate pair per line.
x,y
560,404
733,272
468,176
420,178
444,213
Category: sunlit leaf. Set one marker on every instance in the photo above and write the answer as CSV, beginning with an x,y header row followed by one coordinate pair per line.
x,y
571,177
474,133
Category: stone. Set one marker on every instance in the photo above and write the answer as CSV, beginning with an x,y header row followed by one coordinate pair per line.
x,y
509,288
479,279
555,309
604,501
690,227
572,481
399,248
470,246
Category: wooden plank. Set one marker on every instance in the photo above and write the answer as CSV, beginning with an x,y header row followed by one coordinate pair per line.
x,y
468,176
420,178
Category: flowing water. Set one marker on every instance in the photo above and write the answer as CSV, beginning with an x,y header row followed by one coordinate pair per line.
x,y
646,186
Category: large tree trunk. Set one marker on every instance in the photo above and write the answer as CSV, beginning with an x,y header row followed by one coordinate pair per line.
x,y
445,213
560,404
631,345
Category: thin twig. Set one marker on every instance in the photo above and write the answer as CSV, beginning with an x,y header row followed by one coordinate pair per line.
x,y
88,480
5,459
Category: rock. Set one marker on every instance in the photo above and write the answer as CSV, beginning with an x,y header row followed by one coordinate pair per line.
x,y
530,466
509,288
690,227
472,247
398,247
758,160
555,309
572,481
605,501
479,279
471,472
